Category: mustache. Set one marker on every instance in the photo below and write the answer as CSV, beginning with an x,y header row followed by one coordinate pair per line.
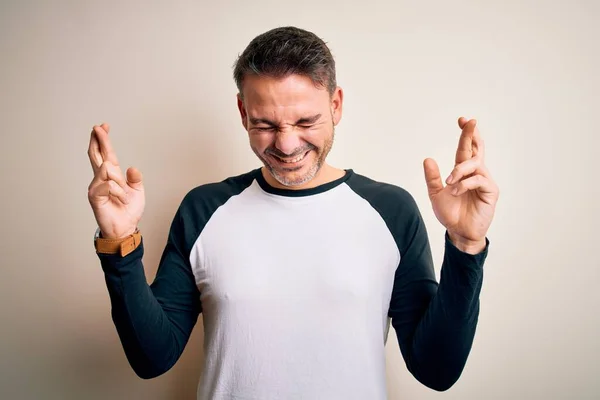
x,y
278,153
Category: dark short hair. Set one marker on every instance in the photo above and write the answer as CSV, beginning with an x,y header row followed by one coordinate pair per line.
x,y
284,51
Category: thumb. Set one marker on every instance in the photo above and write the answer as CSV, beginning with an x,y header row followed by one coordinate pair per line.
x,y
432,177
134,179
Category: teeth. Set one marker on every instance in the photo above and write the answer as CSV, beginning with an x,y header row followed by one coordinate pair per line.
x,y
294,160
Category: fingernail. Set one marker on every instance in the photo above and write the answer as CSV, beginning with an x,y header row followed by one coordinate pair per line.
x,y
449,179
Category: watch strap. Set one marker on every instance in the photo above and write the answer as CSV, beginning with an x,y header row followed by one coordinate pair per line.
x,y
122,246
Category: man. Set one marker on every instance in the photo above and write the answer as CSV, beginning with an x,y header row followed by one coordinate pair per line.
x,y
297,266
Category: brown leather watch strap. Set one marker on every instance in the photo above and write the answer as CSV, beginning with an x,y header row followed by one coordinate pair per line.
x,y
122,246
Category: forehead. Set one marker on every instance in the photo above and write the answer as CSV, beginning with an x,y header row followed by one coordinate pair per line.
x,y
283,97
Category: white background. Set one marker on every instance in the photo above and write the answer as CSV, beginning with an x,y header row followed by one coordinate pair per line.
x,y
161,74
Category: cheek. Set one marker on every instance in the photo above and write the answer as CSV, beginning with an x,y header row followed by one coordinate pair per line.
x,y
260,141
318,137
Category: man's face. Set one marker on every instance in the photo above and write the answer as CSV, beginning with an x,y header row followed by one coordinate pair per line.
x,y
290,123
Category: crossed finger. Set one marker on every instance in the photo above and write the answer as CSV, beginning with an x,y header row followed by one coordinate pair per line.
x,y
484,186
108,181
108,172
100,148
473,166
107,189
470,143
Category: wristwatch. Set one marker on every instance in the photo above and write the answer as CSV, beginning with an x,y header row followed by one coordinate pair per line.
x,y
121,246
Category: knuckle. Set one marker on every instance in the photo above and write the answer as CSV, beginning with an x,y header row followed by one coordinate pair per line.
x,y
115,187
106,170
92,190
101,174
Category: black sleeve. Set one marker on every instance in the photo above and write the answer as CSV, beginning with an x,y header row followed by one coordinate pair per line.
x,y
435,323
154,322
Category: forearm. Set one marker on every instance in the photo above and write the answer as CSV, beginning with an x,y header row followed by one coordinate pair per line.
x,y
441,343
151,338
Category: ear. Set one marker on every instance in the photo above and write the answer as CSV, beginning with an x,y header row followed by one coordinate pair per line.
x,y
243,113
336,105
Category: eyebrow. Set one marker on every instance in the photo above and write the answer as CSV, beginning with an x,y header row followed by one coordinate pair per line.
x,y
301,121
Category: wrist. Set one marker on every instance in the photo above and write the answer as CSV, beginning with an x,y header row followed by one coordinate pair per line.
x,y
102,235
465,245
122,245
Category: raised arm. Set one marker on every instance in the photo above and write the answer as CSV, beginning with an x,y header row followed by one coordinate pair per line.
x,y
154,322
436,324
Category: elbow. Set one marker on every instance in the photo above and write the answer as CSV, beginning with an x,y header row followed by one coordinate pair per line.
x,y
440,385
437,378
148,372
147,368
440,366
151,362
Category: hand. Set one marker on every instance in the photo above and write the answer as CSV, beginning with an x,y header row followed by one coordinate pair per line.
x,y
466,205
118,203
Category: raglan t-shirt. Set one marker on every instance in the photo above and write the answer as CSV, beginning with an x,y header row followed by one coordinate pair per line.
x,y
297,289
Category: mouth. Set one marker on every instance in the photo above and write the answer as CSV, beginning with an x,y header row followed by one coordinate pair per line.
x,y
290,163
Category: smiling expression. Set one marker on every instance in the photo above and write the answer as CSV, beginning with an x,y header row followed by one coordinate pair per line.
x,y
290,123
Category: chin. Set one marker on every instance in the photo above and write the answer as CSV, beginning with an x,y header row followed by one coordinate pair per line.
x,y
294,177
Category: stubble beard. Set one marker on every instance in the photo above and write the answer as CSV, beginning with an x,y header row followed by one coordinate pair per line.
x,y
313,170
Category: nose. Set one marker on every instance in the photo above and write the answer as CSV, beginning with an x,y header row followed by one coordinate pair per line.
x,y
288,140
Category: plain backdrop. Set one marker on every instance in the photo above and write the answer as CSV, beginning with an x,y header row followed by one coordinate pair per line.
x,y
161,74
